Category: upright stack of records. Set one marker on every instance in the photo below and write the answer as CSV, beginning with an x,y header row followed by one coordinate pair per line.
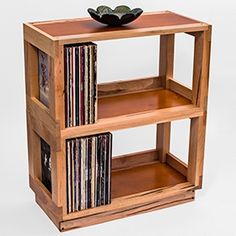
x,y
80,84
88,172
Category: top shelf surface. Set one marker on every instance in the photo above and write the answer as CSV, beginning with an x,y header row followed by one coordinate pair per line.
x,y
86,29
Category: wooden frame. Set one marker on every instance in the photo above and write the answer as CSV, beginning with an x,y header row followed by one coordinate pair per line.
x,y
175,101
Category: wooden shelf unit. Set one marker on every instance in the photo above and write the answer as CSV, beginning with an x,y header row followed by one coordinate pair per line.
x,y
143,181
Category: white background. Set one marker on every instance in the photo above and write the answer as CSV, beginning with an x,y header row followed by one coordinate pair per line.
x,y
214,210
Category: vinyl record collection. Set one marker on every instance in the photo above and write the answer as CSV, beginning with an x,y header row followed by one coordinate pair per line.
x,y
88,159
88,171
80,84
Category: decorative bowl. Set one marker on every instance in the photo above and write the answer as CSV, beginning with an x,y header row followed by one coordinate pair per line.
x,y
119,16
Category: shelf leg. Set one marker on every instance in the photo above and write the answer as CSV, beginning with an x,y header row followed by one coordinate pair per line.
x,y
166,66
32,90
59,178
56,109
200,91
34,158
163,140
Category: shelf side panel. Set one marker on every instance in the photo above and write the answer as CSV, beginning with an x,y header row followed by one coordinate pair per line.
x,y
200,97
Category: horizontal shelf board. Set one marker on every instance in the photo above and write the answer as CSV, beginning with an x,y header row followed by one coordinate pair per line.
x,y
122,87
139,183
118,212
143,178
123,204
86,29
136,109
138,102
133,120
134,159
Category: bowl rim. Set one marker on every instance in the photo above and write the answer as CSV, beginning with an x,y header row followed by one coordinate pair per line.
x,y
112,10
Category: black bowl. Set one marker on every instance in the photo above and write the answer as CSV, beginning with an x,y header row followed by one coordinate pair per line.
x,y
119,16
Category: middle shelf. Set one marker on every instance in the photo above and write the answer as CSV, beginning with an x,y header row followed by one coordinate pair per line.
x,y
120,111
138,102
121,105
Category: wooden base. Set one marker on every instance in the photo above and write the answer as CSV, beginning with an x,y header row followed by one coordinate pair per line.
x,y
104,215
140,183
125,212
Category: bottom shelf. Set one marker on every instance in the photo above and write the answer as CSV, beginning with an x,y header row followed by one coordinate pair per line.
x,y
140,183
143,178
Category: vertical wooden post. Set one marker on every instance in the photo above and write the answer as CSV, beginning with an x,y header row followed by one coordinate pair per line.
x,y
56,86
166,65
200,91
31,70
59,177
56,109
32,90
34,154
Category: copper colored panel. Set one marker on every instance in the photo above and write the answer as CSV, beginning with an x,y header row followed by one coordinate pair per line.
x,y
144,178
138,102
74,27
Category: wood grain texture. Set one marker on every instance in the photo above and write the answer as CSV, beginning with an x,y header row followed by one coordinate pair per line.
x,y
123,87
31,70
127,211
134,159
133,200
56,86
200,89
43,123
34,158
138,102
196,150
143,178
177,164
58,163
47,211
166,58
179,88
133,120
197,67
39,39
163,140
166,67
57,112
45,196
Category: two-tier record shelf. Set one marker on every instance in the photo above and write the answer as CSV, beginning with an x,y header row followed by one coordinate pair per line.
x,y
140,182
